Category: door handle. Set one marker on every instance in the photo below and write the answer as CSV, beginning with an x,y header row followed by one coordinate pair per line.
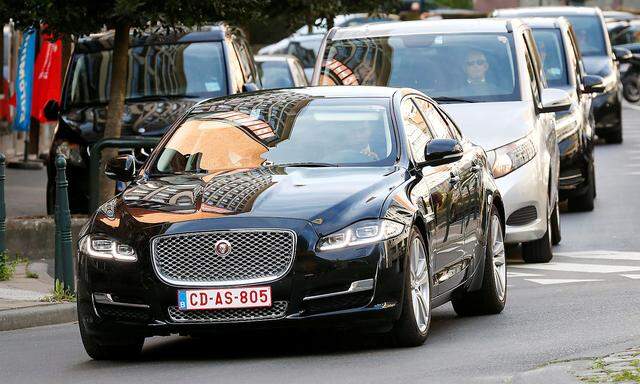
x,y
455,179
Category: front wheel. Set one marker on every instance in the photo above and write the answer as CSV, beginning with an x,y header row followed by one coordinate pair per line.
x,y
584,202
540,251
115,349
631,88
492,296
412,327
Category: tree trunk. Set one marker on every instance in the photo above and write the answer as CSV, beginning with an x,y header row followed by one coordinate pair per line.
x,y
330,21
115,108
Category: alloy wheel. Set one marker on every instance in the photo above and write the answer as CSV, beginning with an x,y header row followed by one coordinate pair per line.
x,y
498,258
420,288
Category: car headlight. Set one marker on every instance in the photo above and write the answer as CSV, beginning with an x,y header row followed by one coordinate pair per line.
x,y
510,157
360,233
71,152
103,247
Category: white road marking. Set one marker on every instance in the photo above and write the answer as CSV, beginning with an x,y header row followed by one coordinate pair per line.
x,y
521,274
601,254
574,267
559,281
633,276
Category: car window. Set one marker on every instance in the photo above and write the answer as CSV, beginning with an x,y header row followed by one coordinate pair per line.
x,y
275,74
298,74
415,128
590,34
472,66
552,54
533,81
439,128
244,54
575,60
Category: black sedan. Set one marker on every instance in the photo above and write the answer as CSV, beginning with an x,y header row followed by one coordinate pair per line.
x,y
328,206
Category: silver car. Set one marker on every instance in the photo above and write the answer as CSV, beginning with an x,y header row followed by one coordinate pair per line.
x,y
488,76
280,71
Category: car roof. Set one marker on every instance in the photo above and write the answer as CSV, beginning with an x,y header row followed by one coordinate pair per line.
x,y
423,27
546,11
545,22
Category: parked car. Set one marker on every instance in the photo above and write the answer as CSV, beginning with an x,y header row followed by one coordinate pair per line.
x,y
169,73
562,64
360,207
280,71
487,74
626,35
599,59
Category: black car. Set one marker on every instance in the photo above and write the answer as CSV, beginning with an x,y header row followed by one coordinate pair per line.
x,y
326,206
169,73
599,59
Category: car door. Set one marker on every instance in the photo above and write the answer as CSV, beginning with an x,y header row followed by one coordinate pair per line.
x,y
433,188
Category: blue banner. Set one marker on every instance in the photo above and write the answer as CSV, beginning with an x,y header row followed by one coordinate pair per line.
x,y
24,80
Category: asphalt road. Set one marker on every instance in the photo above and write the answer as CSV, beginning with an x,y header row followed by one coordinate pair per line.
x,y
585,303
25,192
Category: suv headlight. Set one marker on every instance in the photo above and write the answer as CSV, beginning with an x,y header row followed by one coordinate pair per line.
x,y
360,233
103,247
510,157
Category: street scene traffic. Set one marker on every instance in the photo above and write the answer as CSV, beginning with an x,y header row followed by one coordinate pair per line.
x,y
364,191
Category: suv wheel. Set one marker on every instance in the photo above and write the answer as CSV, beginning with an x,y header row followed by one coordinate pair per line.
x,y
539,251
128,349
584,202
492,296
412,327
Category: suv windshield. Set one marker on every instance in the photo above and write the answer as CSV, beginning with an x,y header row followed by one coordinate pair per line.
x,y
164,70
551,49
590,35
289,129
466,67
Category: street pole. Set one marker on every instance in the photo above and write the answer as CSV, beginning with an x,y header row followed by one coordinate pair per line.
x,y
63,226
3,212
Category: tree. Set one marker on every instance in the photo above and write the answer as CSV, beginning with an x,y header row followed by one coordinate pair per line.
x,y
82,17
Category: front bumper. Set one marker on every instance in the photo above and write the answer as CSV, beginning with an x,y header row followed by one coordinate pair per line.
x,y
607,111
524,194
142,301
576,157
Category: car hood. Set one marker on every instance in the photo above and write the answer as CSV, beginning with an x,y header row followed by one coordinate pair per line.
x,y
333,195
597,65
150,118
492,125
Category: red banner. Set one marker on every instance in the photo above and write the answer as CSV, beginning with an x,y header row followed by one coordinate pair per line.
x,y
47,76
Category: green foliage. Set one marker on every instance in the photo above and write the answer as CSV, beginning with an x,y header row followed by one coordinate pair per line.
x,y
59,294
459,4
7,266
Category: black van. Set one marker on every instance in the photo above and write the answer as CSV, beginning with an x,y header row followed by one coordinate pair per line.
x,y
167,74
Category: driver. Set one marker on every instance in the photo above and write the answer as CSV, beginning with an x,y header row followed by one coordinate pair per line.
x,y
476,67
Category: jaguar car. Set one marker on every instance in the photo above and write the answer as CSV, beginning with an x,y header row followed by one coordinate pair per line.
x,y
324,206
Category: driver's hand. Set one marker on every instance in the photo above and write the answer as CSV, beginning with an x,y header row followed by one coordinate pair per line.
x,y
369,153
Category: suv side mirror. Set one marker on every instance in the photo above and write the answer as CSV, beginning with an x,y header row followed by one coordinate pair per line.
x,y
555,100
622,54
249,87
121,168
442,151
593,84
51,110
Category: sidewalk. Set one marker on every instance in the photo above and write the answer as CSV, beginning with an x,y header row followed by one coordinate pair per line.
x,y
21,304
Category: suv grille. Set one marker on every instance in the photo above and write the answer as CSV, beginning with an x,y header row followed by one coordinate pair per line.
x,y
259,255
276,311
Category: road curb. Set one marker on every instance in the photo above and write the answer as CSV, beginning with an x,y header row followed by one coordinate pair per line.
x,y
556,374
46,314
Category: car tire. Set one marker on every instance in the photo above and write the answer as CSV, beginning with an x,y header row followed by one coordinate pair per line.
x,y
492,296
411,330
539,251
614,137
584,202
128,349
556,229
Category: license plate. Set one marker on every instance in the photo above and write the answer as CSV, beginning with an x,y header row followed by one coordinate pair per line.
x,y
250,297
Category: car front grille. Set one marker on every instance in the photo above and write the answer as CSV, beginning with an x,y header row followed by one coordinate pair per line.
x,y
276,311
257,255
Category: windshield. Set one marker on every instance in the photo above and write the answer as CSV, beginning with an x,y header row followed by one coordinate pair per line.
x,y
551,49
590,35
275,74
194,69
288,129
471,67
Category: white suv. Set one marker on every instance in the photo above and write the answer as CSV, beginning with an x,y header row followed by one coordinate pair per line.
x,y
488,76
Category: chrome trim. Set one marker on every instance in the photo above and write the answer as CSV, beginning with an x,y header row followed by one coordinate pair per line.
x,y
106,299
356,286
179,283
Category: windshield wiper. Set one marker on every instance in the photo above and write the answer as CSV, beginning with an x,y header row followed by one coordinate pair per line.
x,y
452,99
304,164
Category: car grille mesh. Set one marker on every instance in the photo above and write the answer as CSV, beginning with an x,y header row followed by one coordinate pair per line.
x,y
523,216
256,256
276,311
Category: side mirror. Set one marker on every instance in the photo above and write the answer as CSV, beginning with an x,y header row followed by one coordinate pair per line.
x,y
121,168
442,151
622,54
249,87
593,84
555,100
51,110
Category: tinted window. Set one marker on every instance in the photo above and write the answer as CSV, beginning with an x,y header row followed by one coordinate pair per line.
x,y
551,50
438,126
195,69
305,50
590,35
275,74
415,128
477,67
289,129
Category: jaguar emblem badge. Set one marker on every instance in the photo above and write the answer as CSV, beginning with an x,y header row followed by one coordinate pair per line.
x,y
222,248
